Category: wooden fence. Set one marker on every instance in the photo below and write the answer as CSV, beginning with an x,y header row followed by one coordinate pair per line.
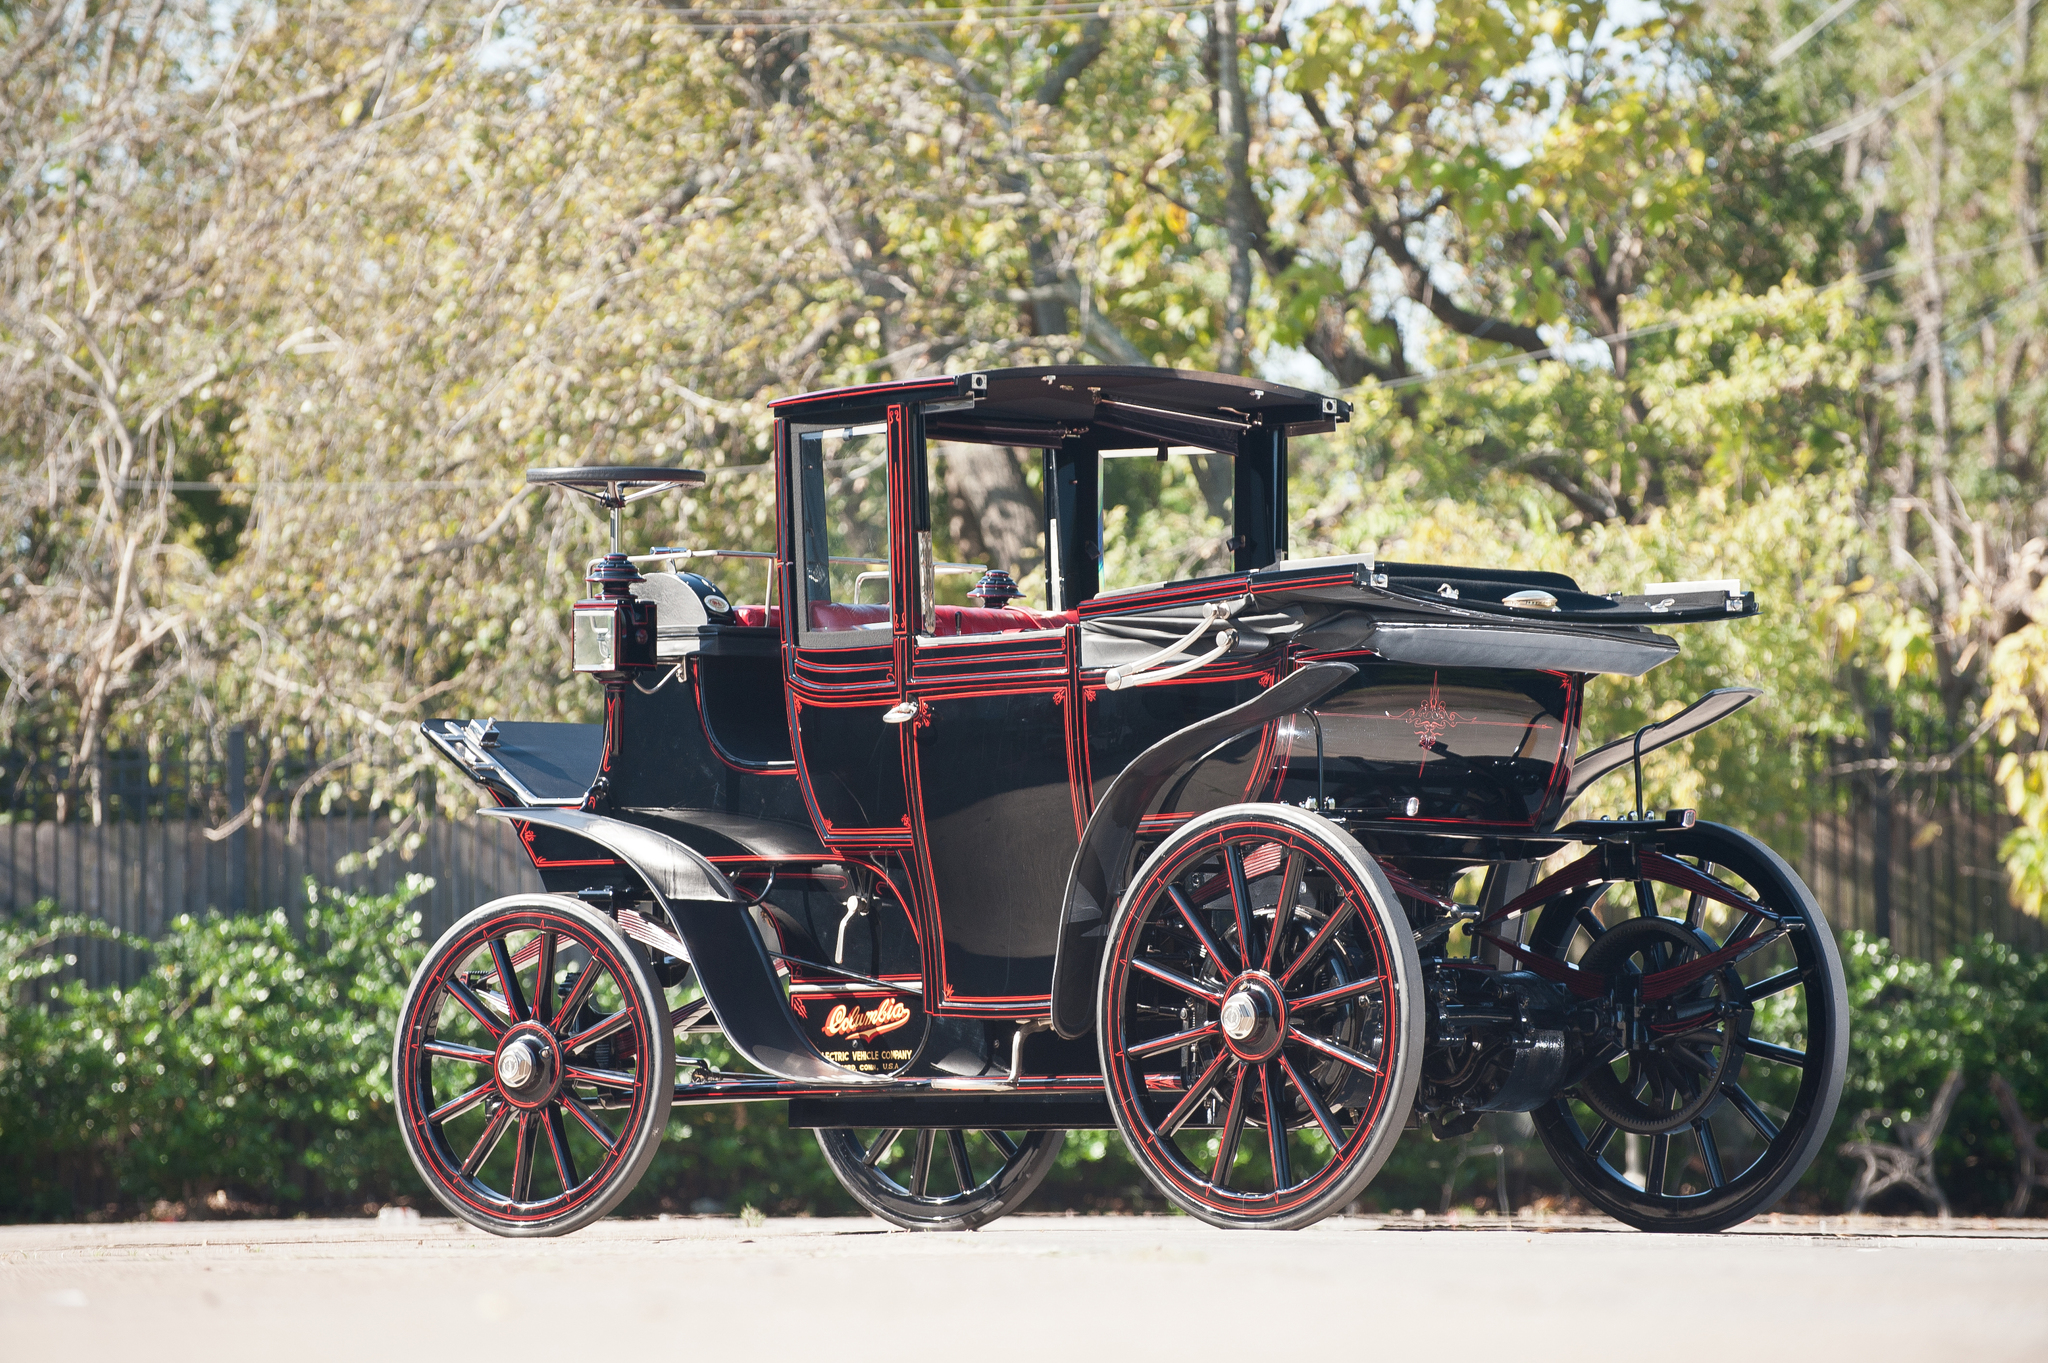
x,y
1901,839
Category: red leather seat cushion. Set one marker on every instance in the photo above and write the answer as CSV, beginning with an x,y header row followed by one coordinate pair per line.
x,y
951,621
756,616
957,620
837,615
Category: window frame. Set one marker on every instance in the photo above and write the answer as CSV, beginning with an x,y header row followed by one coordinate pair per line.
x,y
807,500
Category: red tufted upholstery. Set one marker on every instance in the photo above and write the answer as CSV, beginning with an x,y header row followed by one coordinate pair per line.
x,y
840,615
753,617
957,620
950,621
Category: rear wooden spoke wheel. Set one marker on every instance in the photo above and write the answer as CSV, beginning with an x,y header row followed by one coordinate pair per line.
x,y
940,1178
1260,1019
1721,1091
534,1066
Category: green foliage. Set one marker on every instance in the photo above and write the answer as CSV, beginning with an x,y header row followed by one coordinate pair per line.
x,y
1984,1010
250,1061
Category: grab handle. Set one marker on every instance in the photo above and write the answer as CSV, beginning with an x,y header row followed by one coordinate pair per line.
x,y
1150,670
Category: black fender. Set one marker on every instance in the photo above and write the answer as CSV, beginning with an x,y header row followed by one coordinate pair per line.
x,y
724,946
1589,767
1102,863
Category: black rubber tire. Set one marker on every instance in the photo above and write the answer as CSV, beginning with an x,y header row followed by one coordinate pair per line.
x,y
1371,942
1001,1193
1783,1156
643,1083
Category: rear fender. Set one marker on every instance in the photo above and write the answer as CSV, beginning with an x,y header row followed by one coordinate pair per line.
x,y
1102,863
719,936
1589,767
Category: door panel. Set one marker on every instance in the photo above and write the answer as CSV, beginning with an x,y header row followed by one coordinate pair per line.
x,y
998,834
852,765
1122,724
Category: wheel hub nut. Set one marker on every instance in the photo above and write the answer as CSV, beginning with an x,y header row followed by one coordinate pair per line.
x,y
518,1063
1240,1017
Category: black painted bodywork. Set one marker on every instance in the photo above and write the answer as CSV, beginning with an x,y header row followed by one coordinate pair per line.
x,y
914,809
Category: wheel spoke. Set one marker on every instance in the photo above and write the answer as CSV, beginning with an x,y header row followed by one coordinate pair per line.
x,y
597,1031
544,978
488,1141
963,1168
455,1050
1171,1043
1178,981
1336,995
1776,984
1710,1153
1696,903
508,981
1767,1050
1185,1108
1192,917
1276,1131
1003,1143
1308,953
1590,921
572,1004
883,1144
1602,1137
604,1079
455,1107
1227,1138
1240,900
1660,1163
1283,907
1334,1050
921,1164
587,1119
1646,900
1323,1116
1755,1115
522,1158
558,1146
475,1007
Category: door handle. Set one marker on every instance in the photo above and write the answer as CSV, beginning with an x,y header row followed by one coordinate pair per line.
x,y
903,712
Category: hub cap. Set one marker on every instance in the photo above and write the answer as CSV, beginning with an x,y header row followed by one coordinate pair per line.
x,y
1253,1017
527,1068
519,1063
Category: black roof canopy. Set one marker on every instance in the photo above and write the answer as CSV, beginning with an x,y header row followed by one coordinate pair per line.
x,y
1103,406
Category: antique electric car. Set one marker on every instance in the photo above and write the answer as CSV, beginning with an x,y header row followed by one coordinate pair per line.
x,y
1261,868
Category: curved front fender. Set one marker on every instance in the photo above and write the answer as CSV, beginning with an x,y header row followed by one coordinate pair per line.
x,y
725,948
1102,863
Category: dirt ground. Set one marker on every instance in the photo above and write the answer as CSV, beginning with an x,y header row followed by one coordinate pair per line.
x,y
1090,1287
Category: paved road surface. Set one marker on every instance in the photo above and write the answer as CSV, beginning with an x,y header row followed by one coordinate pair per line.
x,y
1051,1289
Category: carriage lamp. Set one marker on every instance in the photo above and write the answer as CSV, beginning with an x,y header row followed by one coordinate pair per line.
x,y
996,590
614,631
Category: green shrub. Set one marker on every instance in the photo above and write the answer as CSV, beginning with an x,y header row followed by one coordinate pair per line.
x,y
1984,1010
249,1068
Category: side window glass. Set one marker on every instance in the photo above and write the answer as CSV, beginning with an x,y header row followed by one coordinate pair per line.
x,y
843,483
988,511
1166,517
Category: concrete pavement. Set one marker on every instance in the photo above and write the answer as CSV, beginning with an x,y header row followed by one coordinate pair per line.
x,y
1124,1287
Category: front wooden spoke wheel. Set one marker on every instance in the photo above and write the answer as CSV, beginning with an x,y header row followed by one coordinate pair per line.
x,y
1258,1017
534,1066
940,1178
1721,1091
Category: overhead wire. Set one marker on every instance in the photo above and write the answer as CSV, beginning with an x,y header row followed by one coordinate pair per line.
x,y
846,18
1856,123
